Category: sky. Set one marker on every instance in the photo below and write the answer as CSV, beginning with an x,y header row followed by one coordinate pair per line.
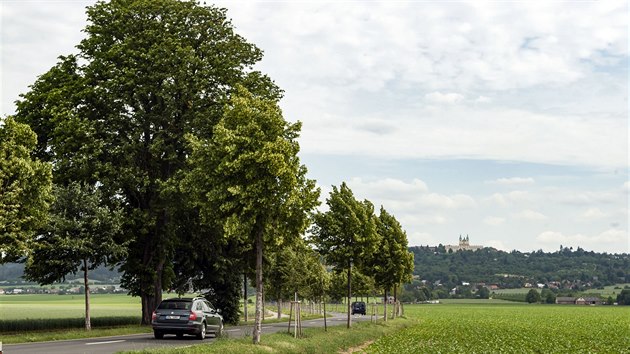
x,y
504,121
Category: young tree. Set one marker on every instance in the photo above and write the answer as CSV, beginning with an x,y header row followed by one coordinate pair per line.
x,y
25,190
346,234
532,296
81,236
248,179
392,263
148,73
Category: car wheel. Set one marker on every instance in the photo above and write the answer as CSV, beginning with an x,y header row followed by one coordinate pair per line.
x,y
220,331
202,333
158,335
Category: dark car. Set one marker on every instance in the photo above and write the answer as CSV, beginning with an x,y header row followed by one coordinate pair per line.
x,y
181,316
358,307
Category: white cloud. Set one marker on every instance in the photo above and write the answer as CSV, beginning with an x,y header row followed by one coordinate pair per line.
x,y
512,181
498,244
530,215
510,198
422,238
493,221
443,98
593,214
609,236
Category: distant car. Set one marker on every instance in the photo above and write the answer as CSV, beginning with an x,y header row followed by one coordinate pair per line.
x,y
181,316
358,307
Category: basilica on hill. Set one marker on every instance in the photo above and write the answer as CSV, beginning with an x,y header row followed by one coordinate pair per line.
x,y
464,245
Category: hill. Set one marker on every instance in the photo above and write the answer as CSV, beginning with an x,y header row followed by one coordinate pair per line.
x,y
564,268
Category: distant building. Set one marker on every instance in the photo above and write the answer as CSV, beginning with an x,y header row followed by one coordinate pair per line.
x,y
464,245
578,300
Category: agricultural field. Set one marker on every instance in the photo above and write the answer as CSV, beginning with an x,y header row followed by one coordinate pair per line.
x,y
510,328
14,307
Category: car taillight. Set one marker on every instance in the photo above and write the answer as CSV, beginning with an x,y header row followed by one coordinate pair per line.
x,y
193,316
153,316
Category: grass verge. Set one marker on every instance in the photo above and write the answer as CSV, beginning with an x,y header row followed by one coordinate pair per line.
x,y
315,340
37,336
269,320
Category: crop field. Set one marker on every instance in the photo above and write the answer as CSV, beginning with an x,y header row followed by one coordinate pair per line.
x,y
510,328
14,307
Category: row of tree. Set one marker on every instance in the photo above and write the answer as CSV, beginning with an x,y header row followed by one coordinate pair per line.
x,y
157,148
577,269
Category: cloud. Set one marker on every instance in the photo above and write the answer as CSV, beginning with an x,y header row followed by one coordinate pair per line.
x,y
530,215
610,236
443,98
493,221
512,181
498,244
593,214
422,238
510,198
626,187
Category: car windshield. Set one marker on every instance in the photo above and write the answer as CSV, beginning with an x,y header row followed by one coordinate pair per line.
x,y
175,305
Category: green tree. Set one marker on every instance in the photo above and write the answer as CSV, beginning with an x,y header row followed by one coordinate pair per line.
x,y
624,297
392,263
483,292
117,114
25,190
532,296
248,178
81,236
346,234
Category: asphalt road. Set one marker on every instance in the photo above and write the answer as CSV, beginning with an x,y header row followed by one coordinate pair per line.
x,y
106,345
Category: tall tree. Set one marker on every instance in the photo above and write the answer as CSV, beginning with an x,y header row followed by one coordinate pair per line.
x,y
25,190
248,178
80,236
392,263
346,234
148,73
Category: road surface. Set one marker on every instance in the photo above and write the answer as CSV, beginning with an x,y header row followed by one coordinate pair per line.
x,y
107,345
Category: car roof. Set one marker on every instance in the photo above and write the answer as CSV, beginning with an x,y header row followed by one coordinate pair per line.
x,y
185,299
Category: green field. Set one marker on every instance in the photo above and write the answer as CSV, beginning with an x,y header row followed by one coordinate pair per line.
x,y
510,328
13,307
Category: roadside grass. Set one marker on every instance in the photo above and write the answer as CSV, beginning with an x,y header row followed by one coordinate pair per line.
x,y
45,336
315,340
269,320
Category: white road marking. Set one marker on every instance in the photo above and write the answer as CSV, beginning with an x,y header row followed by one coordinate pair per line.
x,y
108,342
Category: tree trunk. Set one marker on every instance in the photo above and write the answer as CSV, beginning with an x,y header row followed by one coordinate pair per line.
x,y
279,307
394,313
259,283
385,299
245,296
88,322
325,324
349,294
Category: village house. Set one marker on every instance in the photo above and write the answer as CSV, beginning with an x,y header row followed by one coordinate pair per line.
x,y
591,300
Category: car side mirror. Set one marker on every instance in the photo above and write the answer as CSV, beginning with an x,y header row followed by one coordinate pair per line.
x,y
217,310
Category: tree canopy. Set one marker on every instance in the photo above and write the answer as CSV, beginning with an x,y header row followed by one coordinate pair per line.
x,y
81,235
25,190
248,179
346,234
148,73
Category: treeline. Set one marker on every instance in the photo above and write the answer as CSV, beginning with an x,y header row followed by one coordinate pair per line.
x,y
566,268
12,273
158,149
